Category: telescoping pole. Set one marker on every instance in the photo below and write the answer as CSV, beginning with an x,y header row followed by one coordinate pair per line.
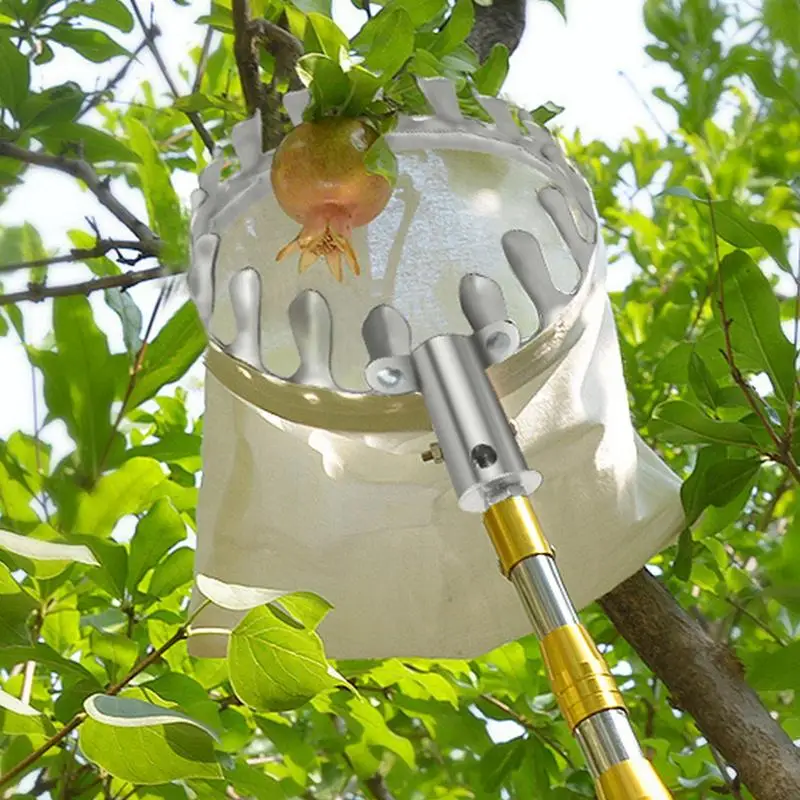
x,y
490,476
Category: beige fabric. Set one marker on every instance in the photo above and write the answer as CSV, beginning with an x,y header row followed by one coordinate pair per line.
x,y
364,522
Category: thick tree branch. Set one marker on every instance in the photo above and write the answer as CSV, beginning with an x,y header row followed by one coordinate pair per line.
x,y
102,247
706,680
36,292
249,36
501,22
83,171
151,32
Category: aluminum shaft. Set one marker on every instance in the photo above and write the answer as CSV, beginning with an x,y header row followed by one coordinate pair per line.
x,y
489,474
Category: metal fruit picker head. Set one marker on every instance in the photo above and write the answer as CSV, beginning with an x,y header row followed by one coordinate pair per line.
x,y
319,472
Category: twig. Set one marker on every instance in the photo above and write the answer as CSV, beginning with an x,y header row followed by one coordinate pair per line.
x,y
145,249
37,292
529,726
753,618
203,60
82,170
150,33
784,452
731,785
97,97
377,785
150,659
647,108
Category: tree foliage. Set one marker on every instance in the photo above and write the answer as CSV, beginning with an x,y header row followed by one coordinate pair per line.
x,y
99,697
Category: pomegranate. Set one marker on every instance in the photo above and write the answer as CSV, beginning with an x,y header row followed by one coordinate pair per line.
x,y
321,181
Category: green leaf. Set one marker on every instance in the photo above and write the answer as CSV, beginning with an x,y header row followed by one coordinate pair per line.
x,y
734,226
20,719
127,490
177,346
157,532
163,206
234,596
377,733
117,651
157,753
559,5
329,86
724,480
682,565
40,549
393,41
755,327
324,36
130,712
252,783
16,606
702,381
492,73
93,45
776,671
112,12
274,665
456,29
124,306
113,558
14,76
499,762
175,571
364,86
544,113
80,380
317,6
380,160
683,422
61,628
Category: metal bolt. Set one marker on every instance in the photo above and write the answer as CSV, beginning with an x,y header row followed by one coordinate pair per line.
x,y
433,453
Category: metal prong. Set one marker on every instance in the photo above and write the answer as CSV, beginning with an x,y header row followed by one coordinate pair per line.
x,y
201,275
555,204
387,337
499,111
441,94
485,308
246,138
245,290
526,259
310,320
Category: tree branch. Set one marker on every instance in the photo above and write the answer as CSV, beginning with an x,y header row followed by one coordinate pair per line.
x,y
151,32
249,35
59,736
501,22
83,171
784,447
528,725
98,96
36,292
145,249
706,680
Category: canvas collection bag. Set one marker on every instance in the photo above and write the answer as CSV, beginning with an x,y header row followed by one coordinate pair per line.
x,y
313,483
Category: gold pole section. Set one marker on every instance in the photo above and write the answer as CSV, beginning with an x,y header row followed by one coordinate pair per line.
x,y
515,532
579,676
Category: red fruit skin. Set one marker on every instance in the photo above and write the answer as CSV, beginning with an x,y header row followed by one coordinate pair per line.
x,y
318,171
